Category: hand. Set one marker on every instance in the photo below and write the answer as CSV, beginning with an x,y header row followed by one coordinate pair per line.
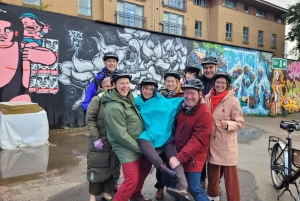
x,y
174,162
224,124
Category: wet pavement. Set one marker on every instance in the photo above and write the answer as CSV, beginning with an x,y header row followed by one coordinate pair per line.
x,y
57,171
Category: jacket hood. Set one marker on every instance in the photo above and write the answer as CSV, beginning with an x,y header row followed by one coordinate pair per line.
x,y
113,95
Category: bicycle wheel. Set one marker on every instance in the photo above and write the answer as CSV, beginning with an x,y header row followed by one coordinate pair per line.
x,y
277,166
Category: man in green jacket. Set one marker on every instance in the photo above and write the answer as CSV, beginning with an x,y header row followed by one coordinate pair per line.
x,y
124,125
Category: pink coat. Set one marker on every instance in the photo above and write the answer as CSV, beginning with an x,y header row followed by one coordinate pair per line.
x,y
223,148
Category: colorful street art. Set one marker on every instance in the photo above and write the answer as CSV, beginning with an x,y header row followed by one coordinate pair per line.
x,y
51,58
291,100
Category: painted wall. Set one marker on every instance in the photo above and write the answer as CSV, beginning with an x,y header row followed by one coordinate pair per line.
x,y
50,59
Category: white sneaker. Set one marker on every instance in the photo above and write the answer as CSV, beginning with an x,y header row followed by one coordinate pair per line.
x,y
214,198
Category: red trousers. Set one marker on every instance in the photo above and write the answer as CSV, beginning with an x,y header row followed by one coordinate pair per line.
x,y
134,174
231,178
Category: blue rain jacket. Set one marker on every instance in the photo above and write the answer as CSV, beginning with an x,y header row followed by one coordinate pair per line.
x,y
158,114
91,90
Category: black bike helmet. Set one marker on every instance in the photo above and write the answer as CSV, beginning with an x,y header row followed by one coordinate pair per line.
x,y
172,73
149,81
210,60
193,83
117,74
192,68
110,55
225,75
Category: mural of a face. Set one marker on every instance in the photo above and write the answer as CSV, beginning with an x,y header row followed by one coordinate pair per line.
x,y
30,26
43,67
43,81
51,44
53,82
32,81
33,67
6,34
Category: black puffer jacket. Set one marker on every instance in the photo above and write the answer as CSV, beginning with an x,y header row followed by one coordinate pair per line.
x,y
101,164
207,84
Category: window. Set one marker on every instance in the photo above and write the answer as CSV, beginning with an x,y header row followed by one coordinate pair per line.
x,y
246,34
85,7
229,4
130,14
228,30
200,2
261,13
273,40
36,2
278,19
180,4
246,9
198,28
260,37
173,24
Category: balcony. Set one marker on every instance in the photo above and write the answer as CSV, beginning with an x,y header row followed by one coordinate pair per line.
x,y
176,29
131,20
175,4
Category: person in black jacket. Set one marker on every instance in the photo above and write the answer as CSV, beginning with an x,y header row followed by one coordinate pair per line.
x,y
209,69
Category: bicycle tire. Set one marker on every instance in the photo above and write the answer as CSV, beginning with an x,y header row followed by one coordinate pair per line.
x,y
277,174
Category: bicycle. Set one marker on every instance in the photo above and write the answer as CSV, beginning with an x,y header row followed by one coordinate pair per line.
x,y
283,156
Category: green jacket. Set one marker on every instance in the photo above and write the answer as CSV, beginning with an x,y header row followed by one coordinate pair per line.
x,y
101,164
123,124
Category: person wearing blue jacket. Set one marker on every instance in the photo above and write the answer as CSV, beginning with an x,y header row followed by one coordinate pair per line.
x,y
158,114
111,61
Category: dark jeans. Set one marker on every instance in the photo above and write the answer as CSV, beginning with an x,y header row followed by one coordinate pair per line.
x,y
192,178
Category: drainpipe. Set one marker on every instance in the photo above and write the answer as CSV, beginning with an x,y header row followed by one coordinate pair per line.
x,y
208,19
153,14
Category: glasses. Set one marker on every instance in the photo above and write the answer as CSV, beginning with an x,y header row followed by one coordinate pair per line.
x,y
220,83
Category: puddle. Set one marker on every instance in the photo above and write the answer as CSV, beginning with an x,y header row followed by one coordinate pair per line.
x,y
25,164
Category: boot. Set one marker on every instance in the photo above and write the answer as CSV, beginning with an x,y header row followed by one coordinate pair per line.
x,y
159,194
170,174
214,198
179,192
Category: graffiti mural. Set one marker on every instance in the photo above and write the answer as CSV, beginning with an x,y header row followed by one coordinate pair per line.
x,y
277,89
53,58
291,100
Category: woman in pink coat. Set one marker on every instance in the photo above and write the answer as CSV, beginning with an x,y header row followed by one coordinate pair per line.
x,y
223,151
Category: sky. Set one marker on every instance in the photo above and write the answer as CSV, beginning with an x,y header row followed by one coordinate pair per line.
x,y
284,4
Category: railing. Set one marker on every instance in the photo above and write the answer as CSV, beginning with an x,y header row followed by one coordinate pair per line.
x,y
131,20
176,29
176,4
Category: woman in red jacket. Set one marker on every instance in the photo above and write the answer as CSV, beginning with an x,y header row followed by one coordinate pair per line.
x,y
228,118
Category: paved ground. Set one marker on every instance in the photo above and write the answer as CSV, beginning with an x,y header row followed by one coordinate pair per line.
x,y
65,179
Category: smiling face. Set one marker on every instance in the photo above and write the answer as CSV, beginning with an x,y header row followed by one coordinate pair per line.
x,y
147,91
111,64
209,70
30,26
6,34
123,86
170,83
220,85
192,97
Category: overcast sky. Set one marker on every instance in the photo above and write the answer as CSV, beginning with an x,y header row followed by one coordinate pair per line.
x,y
284,4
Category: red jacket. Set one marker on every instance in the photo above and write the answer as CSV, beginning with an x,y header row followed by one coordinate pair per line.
x,y
192,136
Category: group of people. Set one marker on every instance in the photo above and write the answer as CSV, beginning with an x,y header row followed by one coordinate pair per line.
x,y
178,129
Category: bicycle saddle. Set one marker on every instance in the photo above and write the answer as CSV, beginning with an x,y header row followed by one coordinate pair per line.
x,y
287,125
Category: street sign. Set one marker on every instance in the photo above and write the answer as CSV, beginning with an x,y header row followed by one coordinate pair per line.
x,y
278,63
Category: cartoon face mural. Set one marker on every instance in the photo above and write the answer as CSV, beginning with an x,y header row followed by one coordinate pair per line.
x,y
43,83
53,84
32,83
51,44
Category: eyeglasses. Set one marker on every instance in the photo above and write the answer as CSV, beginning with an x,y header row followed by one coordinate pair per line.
x,y
148,88
220,83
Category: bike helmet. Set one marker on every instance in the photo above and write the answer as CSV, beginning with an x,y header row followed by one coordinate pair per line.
x,y
119,73
225,75
110,55
172,73
192,68
210,60
149,81
193,83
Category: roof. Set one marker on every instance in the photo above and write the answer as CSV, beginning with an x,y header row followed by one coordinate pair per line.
x,y
265,5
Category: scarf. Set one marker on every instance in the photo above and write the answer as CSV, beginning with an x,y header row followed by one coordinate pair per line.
x,y
216,99
168,94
